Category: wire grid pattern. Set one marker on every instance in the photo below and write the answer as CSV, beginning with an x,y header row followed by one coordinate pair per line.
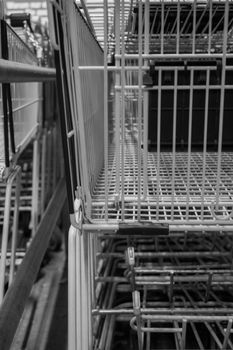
x,y
47,177
183,280
134,185
195,254
191,25
27,109
93,102
185,26
174,187
160,194
26,98
196,274
96,12
19,51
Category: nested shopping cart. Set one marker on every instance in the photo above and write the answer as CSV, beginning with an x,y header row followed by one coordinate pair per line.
x,y
146,112
20,125
20,108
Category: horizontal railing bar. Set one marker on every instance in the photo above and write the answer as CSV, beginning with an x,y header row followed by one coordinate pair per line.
x,y
99,227
197,318
14,72
165,201
171,87
156,68
180,254
178,313
17,295
171,55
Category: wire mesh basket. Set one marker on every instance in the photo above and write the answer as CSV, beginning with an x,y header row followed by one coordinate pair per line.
x,y
21,103
148,150
174,291
153,143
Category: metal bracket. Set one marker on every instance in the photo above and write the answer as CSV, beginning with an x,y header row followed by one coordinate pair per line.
x,y
76,218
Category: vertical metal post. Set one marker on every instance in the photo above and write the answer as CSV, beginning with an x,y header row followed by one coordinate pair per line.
x,y
174,141
189,141
210,26
178,28
15,224
106,105
205,141
54,157
222,99
84,292
6,229
43,171
137,312
35,186
79,296
162,27
158,141
123,136
117,94
140,61
72,276
146,101
49,159
183,339
194,25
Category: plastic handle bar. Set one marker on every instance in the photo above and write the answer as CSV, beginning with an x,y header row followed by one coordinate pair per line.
x,y
143,228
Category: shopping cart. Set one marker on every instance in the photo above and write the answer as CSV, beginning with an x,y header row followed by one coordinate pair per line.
x,y
20,125
146,121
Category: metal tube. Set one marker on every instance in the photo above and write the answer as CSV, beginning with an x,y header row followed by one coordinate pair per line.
x,y
123,136
135,67
146,102
5,232
78,310
106,105
15,224
72,289
35,186
194,25
84,299
117,96
189,142
14,72
140,62
174,226
43,171
174,141
158,142
178,28
162,28
181,56
205,141
179,88
222,99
